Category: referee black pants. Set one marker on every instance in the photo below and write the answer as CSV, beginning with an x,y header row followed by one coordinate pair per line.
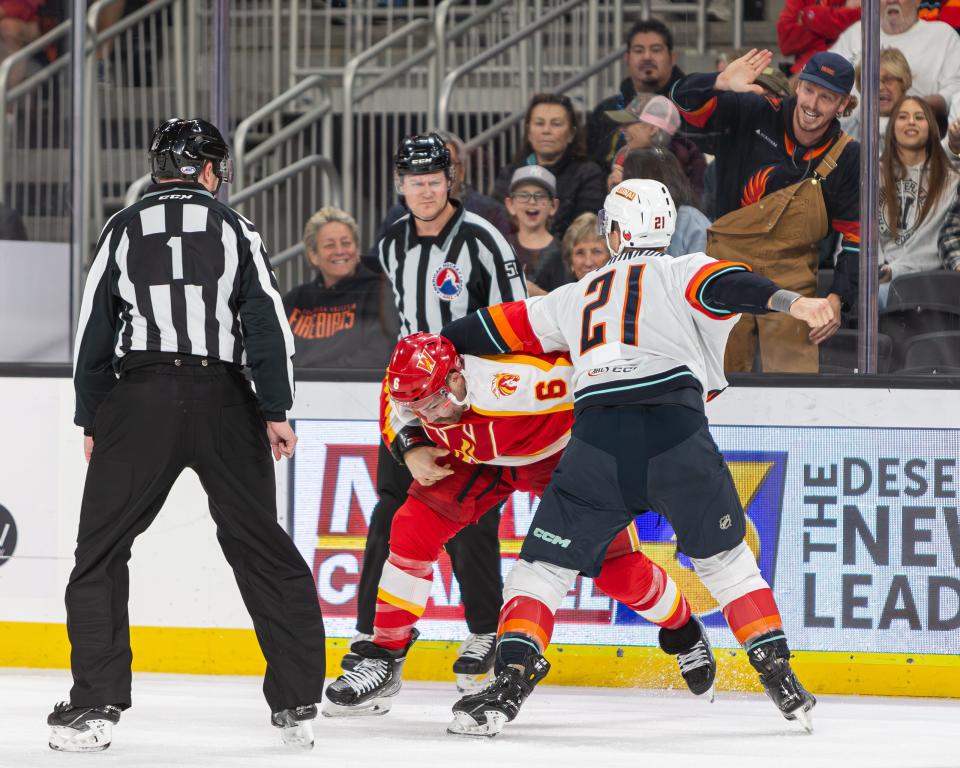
x,y
474,554
156,422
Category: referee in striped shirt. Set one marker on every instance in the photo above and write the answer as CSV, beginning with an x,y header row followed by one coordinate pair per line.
x,y
178,299
444,263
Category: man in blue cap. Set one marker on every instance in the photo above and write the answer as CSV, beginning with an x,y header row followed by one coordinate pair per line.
x,y
771,216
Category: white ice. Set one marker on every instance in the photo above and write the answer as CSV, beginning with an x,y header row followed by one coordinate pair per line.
x,y
184,721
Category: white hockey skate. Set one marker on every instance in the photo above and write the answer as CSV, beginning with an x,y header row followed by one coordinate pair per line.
x,y
474,665
296,725
82,729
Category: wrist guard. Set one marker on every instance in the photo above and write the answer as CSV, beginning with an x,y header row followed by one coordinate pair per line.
x,y
407,438
782,299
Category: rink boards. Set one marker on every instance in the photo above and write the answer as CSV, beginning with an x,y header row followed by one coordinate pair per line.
x,y
851,497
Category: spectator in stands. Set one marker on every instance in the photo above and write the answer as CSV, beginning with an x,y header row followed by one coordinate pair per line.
x,y
774,83
19,26
532,202
11,225
475,202
765,148
948,244
651,68
941,10
917,187
931,48
652,121
553,140
584,249
895,81
806,27
344,318
660,165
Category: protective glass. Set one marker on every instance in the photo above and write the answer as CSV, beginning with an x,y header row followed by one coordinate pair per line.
x,y
224,170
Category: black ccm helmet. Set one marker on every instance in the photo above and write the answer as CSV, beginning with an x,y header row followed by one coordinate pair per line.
x,y
179,148
423,153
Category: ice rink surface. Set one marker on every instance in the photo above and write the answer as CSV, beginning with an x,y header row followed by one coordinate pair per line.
x,y
182,721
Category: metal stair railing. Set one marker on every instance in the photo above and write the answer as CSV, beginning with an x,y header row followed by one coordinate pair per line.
x,y
549,60
406,108
320,116
34,141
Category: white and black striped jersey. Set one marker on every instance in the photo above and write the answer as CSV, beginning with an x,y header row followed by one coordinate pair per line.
x,y
467,266
181,272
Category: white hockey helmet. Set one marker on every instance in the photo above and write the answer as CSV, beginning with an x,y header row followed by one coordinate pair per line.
x,y
644,213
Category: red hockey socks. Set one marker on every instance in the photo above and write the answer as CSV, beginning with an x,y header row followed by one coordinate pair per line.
x,y
401,599
639,583
753,615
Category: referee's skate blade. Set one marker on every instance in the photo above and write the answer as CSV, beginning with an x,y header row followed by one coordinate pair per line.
x,y
464,725
472,683
299,736
96,737
371,708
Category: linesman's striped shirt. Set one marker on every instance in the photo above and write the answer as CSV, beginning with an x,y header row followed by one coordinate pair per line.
x,y
435,280
181,272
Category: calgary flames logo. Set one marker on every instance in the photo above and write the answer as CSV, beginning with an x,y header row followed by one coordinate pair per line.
x,y
504,384
756,187
426,362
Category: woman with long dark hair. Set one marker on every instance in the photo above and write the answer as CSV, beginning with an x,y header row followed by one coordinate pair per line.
x,y
553,139
662,165
917,185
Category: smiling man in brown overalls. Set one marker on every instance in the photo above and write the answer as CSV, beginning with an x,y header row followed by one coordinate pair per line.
x,y
786,175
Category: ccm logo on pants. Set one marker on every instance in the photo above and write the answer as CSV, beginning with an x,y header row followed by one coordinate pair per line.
x,y
551,538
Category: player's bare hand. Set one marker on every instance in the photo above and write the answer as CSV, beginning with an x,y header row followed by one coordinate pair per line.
x,y
87,447
818,314
282,438
422,463
739,75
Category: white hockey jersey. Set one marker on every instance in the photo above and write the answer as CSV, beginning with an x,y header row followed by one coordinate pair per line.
x,y
636,328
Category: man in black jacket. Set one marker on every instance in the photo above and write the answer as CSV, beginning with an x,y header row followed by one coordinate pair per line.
x,y
651,68
179,297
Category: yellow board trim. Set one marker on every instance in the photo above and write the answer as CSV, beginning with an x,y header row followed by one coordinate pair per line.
x,y
235,652
339,542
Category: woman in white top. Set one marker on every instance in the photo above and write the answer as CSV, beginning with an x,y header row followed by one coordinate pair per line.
x,y
917,185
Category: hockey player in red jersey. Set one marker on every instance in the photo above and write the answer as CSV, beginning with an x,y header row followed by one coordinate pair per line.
x,y
472,430
646,335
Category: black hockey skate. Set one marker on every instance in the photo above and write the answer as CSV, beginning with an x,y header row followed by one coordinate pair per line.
x,y
82,729
474,665
770,656
296,726
691,646
368,688
484,713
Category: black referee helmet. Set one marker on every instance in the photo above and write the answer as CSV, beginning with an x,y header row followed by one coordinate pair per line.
x,y
180,147
422,153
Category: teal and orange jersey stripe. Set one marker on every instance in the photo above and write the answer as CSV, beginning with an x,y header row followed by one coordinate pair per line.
x,y
699,282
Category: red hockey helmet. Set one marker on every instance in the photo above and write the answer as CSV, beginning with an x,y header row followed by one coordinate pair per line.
x,y
418,370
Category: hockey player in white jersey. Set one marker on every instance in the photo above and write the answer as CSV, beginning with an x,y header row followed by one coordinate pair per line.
x,y
646,334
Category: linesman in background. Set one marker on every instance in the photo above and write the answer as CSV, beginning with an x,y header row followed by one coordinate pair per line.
x,y
443,263
178,299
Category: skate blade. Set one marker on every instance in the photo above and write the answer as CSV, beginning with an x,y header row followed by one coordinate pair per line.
x,y
95,738
804,717
709,695
371,708
464,725
472,683
299,736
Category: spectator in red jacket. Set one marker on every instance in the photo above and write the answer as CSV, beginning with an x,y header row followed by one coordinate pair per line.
x,y
806,27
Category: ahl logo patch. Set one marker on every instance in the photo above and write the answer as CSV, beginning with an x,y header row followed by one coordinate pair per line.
x,y
448,281
627,193
504,384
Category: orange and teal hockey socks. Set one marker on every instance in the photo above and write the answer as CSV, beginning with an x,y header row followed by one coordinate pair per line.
x,y
526,626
